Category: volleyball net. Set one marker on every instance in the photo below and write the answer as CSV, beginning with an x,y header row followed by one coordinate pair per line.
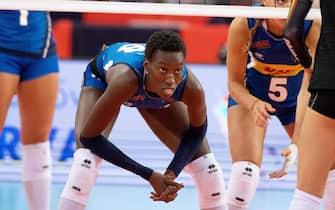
x,y
151,8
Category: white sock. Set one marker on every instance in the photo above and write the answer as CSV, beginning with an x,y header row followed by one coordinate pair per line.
x,y
304,201
37,175
66,204
38,193
329,195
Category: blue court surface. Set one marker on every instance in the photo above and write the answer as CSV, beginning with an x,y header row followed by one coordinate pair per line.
x,y
127,197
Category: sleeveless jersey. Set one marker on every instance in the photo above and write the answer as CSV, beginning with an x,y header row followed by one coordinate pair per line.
x,y
132,54
27,33
323,77
273,74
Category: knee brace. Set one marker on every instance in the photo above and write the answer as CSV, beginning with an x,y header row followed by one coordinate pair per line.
x,y
36,161
208,179
329,195
84,170
242,184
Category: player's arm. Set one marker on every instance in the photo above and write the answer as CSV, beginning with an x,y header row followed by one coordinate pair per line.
x,y
194,98
122,84
303,97
294,28
237,58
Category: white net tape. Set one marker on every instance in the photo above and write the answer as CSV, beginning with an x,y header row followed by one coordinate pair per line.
x,y
150,8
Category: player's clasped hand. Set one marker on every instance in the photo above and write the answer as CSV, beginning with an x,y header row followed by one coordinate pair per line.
x,y
261,110
290,155
165,188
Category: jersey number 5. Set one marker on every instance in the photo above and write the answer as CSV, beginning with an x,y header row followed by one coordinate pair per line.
x,y
23,17
277,89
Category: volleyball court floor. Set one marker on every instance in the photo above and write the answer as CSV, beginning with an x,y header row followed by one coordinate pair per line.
x,y
127,197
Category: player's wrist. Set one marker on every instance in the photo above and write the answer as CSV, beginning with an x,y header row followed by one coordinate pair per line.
x,y
170,174
253,104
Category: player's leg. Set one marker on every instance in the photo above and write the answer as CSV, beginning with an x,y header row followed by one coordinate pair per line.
x,y
169,125
316,156
9,81
85,166
75,194
246,148
37,94
8,87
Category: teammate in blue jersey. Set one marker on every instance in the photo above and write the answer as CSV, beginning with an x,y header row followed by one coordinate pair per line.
x,y
264,79
29,69
154,79
316,159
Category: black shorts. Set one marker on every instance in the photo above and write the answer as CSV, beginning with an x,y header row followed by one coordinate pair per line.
x,y
323,102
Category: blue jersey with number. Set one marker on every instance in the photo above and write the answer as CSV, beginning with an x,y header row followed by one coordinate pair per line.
x,y
273,74
132,54
25,32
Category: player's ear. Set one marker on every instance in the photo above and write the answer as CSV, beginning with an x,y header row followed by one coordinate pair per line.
x,y
146,63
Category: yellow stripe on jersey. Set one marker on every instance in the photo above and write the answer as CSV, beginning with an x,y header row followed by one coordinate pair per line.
x,y
276,69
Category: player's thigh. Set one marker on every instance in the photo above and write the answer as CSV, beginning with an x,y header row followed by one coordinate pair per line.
x,y
246,139
87,99
316,152
8,87
289,128
170,124
37,102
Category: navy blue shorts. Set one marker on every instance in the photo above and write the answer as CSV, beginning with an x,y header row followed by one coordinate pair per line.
x,y
286,115
91,80
323,102
28,68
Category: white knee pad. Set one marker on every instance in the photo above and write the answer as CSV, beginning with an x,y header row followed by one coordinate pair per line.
x,y
36,161
242,184
84,171
208,179
329,195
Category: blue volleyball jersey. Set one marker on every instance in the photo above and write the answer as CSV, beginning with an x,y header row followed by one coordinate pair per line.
x,y
273,74
26,31
132,54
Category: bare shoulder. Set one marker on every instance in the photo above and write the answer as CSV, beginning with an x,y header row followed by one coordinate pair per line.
x,y
121,74
239,26
238,35
122,82
193,89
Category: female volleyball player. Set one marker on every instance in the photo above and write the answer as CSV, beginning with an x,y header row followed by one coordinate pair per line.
x,y
264,79
154,79
29,69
